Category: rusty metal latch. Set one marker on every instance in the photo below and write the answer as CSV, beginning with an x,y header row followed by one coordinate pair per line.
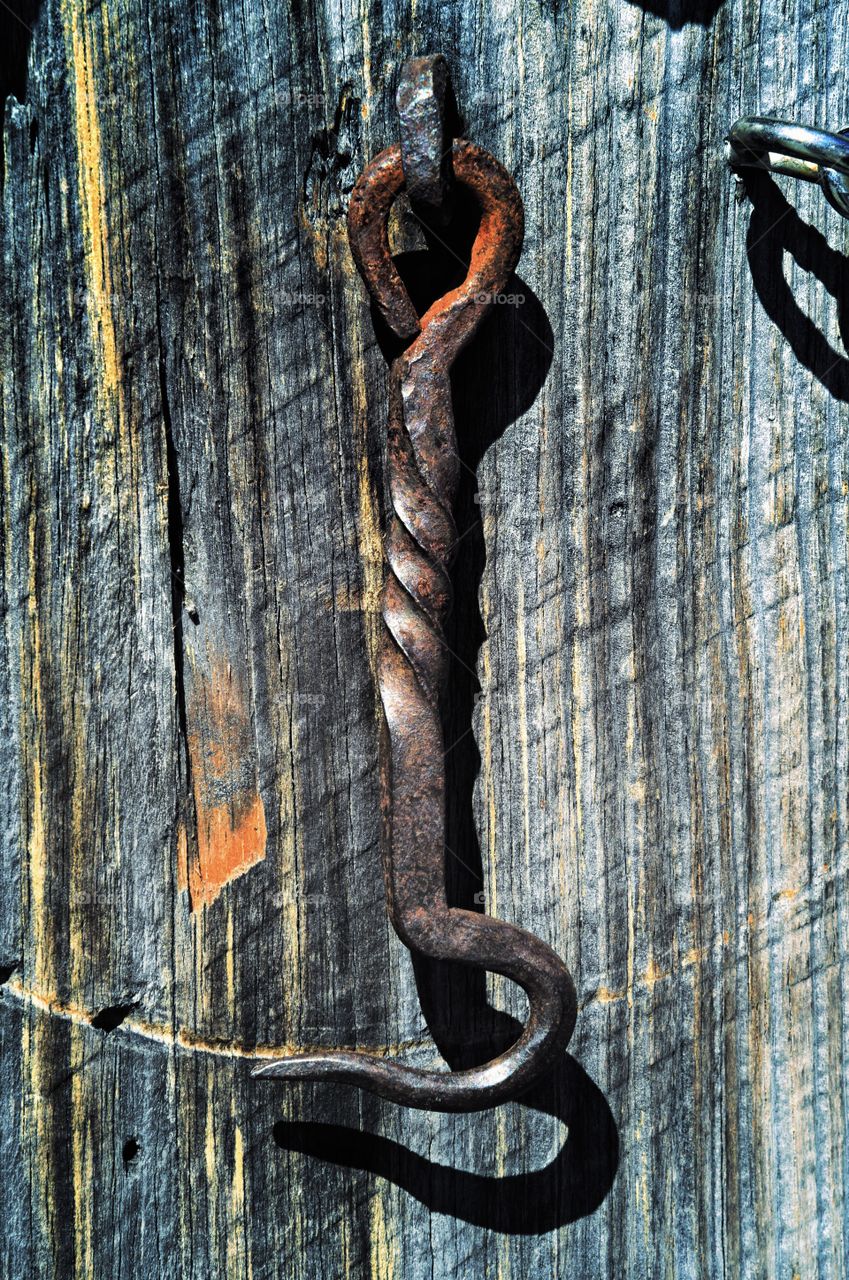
x,y
420,540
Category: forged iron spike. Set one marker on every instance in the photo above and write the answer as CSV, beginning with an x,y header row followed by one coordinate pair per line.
x,y
424,103
423,471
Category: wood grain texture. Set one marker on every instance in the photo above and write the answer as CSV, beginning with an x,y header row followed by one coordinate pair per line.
x,y
649,701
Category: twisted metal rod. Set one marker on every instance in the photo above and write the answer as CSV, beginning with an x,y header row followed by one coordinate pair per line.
x,y
420,539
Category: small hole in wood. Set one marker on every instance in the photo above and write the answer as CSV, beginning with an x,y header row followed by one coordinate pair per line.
x,y
129,1151
110,1018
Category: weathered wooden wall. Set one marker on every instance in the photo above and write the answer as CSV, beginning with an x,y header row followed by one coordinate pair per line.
x,y
652,760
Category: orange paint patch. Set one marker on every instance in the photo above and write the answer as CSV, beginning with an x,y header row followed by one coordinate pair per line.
x,y
231,840
231,830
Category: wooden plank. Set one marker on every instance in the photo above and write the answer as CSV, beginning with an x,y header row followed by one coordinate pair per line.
x,y
651,634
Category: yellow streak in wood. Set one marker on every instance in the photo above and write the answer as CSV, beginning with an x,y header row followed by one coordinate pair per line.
x,y
201,993
32,734
211,1165
496,984
604,995
522,659
37,1132
182,854
383,1243
689,959
653,974
579,680
519,50
369,538
229,963
371,545
352,600
633,893
760,1073
650,977
238,1257
785,639
577,687
570,195
641,1189
629,957
29,1101
117,829
505,1128
92,195
237,1198
365,59
567,864
692,959
488,780
314,235
75,714
503,1261
502,1141
294,922
82,1161
637,791
345,1258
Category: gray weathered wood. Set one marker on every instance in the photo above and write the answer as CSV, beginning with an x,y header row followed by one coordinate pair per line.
x,y
652,759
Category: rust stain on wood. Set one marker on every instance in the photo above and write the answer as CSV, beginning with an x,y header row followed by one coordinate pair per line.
x,y
230,815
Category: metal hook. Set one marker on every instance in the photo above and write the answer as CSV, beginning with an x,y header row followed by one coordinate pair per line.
x,y
420,539
810,154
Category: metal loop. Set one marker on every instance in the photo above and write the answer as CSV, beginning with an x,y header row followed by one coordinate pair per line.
x,y
814,155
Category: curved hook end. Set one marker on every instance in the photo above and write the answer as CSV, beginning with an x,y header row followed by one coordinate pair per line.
x,y
553,1013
